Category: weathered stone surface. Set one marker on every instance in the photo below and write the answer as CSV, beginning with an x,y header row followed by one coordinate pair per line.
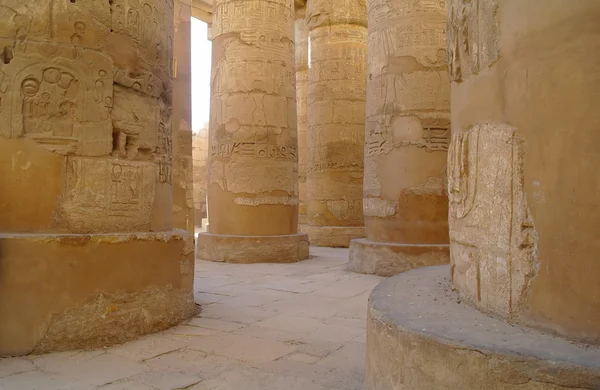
x,y
86,163
407,133
332,236
60,292
252,249
386,259
420,336
524,236
336,113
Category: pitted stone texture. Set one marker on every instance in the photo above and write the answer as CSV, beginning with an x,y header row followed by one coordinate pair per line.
x,y
332,236
61,292
385,259
419,336
252,249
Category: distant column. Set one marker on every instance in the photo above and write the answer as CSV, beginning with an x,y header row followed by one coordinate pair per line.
x,y
183,182
336,113
253,162
406,141
301,100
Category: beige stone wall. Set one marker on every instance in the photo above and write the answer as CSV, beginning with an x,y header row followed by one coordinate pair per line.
x,y
183,185
200,158
407,123
86,170
301,36
522,164
336,112
253,169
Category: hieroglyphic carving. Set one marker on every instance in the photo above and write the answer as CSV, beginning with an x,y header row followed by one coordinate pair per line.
x,y
104,193
256,150
336,112
473,37
492,236
254,178
150,25
253,140
62,105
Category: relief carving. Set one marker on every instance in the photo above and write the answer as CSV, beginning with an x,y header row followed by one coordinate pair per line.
x,y
492,235
473,37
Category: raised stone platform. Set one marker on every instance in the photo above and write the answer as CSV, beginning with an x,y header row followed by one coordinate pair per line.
x,y
77,291
387,259
420,336
252,249
332,236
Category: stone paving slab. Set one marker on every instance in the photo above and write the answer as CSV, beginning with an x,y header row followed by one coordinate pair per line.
x,y
297,326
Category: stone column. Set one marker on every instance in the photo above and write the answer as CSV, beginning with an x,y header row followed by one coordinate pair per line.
x,y
302,100
253,163
523,180
524,230
183,183
89,256
407,134
336,114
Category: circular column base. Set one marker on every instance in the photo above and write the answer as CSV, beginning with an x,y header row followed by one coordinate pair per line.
x,y
420,336
332,236
78,291
252,249
388,259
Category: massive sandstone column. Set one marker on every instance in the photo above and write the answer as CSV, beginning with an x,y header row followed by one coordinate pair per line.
x,y
88,253
253,163
406,139
302,100
183,182
523,190
523,180
336,114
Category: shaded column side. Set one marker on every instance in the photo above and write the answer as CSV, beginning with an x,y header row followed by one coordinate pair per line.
x,y
183,182
301,35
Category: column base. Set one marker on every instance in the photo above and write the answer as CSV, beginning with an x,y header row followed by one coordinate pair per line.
x,y
420,336
388,259
252,249
332,236
79,291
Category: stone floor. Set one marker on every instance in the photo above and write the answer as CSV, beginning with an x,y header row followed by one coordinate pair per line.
x,y
262,326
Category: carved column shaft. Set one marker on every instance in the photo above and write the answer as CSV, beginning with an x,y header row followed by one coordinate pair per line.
x,y
253,163
406,139
336,113
86,163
